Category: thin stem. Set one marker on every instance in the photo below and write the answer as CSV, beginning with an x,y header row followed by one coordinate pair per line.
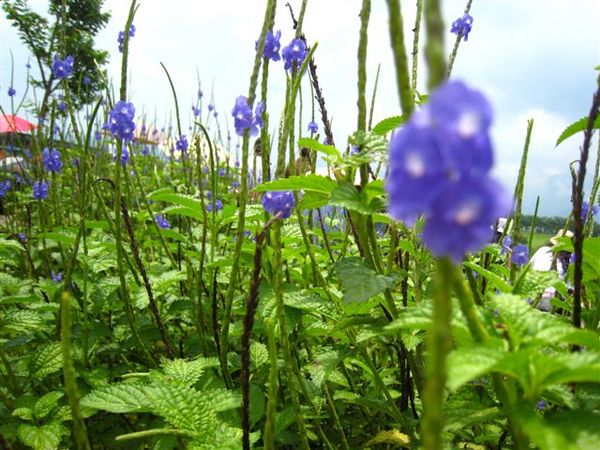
x,y
402,76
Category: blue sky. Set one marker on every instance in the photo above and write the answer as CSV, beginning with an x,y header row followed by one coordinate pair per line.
x,y
532,58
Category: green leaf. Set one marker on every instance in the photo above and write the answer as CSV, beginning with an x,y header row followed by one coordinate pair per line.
x,y
312,200
119,398
390,437
188,372
466,364
46,360
359,282
259,355
193,213
494,279
315,183
315,145
168,196
59,236
45,437
347,196
47,403
10,244
575,128
386,125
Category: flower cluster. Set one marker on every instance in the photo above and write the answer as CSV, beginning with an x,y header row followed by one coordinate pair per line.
x,y
52,162
294,53
56,277
439,164
243,119
313,127
62,106
121,37
195,111
62,68
278,203
182,143
462,26
4,188
120,121
162,221
272,46
40,190
218,205
11,91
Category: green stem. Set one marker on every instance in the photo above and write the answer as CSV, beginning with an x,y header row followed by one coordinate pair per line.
x,y
399,49
456,44
415,52
438,345
434,49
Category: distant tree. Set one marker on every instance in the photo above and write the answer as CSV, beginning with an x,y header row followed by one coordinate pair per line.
x,y
69,30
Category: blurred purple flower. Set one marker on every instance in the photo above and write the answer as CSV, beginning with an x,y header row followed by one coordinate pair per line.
x,y
40,190
218,206
313,127
4,188
195,111
56,277
243,119
162,221
120,121
506,245
182,143
62,106
121,37
278,203
585,210
22,237
520,255
86,80
52,161
11,91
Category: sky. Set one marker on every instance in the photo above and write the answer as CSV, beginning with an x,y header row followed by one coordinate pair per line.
x,y
531,58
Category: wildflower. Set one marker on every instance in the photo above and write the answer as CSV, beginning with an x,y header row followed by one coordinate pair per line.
x,y
145,151
11,91
124,156
56,277
520,255
218,206
235,184
4,188
97,135
200,94
243,118
541,405
62,106
162,221
22,237
585,211
182,143
211,107
52,162
208,195
120,121
462,26
506,245
572,258
195,111
121,37
313,127
86,80
272,46
28,66
294,53
237,163
62,68
439,163
222,172
40,190
278,203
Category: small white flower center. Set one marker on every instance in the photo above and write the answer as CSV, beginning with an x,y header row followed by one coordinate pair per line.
x,y
415,165
467,213
468,124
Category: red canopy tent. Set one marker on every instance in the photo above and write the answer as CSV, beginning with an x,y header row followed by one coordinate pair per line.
x,y
14,124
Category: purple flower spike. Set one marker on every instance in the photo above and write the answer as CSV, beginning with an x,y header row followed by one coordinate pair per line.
x,y
120,121
313,127
462,26
294,54
520,255
278,203
162,221
182,144
4,188
52,161
40,190
62,68
272,46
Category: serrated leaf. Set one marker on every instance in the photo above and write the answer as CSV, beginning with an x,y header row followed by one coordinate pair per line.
x,y
187,372
47,403
347,196
575,128
185,211
119,398
466,364
6,244
174,198
358,281
315,145
46,360
45,437
312,182
494,279
259,355
386,125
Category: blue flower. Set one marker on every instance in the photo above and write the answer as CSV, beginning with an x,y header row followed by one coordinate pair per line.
x,y
4,188
313,127
243,119
124,156
62,106
97,135
22,237
62,68
200,94
235,184
218,206
211,106
162,221
462,26
86,80
121,37
120,121
541,405
520,255
40,190
56,277
195,111
506,245
222,172
278,203
11,91
294,53
585,210
438,167
52,162
272,46
182,143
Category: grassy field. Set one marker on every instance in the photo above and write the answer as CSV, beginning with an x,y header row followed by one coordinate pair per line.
x,y
539,239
